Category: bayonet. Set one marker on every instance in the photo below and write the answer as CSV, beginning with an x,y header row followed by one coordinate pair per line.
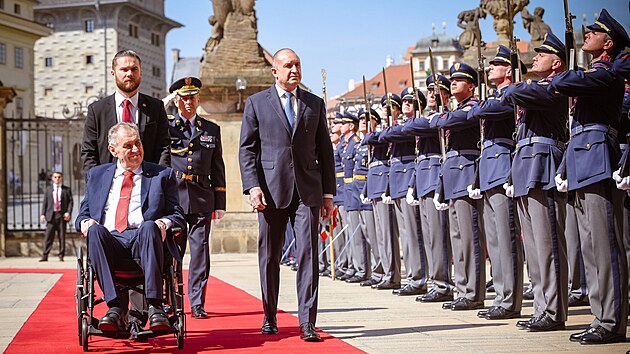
x,y
388,101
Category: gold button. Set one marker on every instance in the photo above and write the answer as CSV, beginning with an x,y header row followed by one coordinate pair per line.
x,y
496,155
404,170
461,167
190,159
588,146
191,144
533,154
380,173
189,168
189,152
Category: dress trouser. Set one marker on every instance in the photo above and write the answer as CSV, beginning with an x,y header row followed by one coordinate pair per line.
x,y
368,226
504,248
199,267
387,238
468,242
343,260
599,210
577,278
58,225
626,231
437,244
542,215
412,243
356,241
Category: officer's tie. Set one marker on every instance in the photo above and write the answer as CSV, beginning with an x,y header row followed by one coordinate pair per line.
x,y
126,113
122,211
187,129
288,108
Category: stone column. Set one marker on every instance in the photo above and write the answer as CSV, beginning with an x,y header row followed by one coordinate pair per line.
x,y
6,96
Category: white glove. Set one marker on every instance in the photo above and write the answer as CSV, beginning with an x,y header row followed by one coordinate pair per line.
x,y
474,193
364,200
386,199
622,183
439,206
166,100
509,190
562,185
410,199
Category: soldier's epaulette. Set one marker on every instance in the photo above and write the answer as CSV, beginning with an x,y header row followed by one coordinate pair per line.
x,y
469,105
600,64
170,116
356,139
219,189
543,82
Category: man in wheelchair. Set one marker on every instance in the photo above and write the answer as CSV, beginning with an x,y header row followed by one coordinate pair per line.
x,y
128,207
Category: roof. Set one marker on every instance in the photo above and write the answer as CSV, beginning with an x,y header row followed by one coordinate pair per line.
x,y
444,43
186,67
398,78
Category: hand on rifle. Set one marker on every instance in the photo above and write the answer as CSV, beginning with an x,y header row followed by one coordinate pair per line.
x,y
364,200
562,185
438,205
411,199
386,199
474,193
509,190
622,183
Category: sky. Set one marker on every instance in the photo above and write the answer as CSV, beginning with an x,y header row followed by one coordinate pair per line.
x,y
351,38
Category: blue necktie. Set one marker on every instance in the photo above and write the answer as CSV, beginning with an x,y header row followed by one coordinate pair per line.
x,y
288,108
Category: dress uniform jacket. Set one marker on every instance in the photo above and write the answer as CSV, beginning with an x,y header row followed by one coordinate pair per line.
x,y
498,127
351,200
541,134
428,167
338,198
403,155
198,165
621,65
359,174
463,135
599,94
379,166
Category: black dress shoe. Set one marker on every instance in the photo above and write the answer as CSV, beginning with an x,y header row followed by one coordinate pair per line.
x,y
294,267
197,311
601,335
576,337
490,286
545,324
501,313
356,279
447,305
112,321
60,258
483,313
307,333
435,296
528,294
325,273
464,304
525,323
44,259
409,290
157,319
578,301
369,282
386,285
269,326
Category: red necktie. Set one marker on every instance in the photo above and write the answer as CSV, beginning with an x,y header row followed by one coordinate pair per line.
x,y
126,113
122,211
57,208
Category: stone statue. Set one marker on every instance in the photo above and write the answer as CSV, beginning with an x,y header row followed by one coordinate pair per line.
x,y
535,25
498,10
222,10
469,21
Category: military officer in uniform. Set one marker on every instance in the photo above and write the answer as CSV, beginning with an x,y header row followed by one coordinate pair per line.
x,y
541,208
400,172
504,245
465,221
434,223
591,157
197,160
343,262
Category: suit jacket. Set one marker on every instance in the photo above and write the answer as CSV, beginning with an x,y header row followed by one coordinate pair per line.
x,y
65,204
276,158
152,124
200,156
158,194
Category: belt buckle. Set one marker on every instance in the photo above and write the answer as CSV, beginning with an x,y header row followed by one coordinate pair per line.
x,y
187,177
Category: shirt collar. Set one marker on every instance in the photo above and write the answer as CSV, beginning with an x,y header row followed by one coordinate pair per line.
x,y
120,98
120,170
281,91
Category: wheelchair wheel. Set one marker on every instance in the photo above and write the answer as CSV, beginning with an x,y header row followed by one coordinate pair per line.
x,y
79,292
84,333
180,330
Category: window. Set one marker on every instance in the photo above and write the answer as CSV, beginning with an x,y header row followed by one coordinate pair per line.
x,y
89,59
19,106
48,61
133,30
17,9
89,90
19,57
89,25
1,4
375,85
155,39
3,53
156,71
50,25
48,92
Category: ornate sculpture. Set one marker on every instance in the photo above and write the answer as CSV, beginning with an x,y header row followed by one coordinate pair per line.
x,y
535,25
222,10
469,21
498,10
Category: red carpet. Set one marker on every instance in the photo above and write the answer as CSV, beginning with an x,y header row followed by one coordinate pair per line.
x,y
234,326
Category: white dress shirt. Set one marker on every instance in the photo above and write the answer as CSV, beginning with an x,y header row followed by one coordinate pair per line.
x,y
135,218
133,107
283,100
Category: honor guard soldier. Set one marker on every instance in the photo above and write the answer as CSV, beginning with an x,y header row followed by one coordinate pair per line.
x,y
541,208
503,243
422,188
197,159
386,229
458,171
400,173
343,261
591,157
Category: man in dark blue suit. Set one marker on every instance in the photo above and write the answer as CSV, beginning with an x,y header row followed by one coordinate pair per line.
x,y
287,169
128,207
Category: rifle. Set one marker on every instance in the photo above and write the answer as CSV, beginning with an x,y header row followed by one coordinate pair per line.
x,y
413,87
481,79
515,63
440,109
569,40
388,103
368,119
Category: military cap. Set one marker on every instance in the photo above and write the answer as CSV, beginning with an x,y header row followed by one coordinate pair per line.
x,y
606,23
503,57
553,45
465,71
338,118
443,82
186,86
408,94
348,117
373,115
394,98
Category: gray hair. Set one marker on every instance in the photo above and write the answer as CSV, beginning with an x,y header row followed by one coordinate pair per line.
x,y
112,134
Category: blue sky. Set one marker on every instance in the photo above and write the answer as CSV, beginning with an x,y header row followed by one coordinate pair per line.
x,y
351,38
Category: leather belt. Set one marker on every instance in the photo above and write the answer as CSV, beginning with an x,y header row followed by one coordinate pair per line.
x,y
376,163
594,126
402,159
490,142
189,177
454,153
360,177
540,140
426,156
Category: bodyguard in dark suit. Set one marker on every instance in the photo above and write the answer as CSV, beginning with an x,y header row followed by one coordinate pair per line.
x,y
56,212
287,169
145,111
591,157
128,207
197,161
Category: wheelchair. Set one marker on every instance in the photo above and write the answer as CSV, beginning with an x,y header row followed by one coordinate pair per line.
x,y
128,276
